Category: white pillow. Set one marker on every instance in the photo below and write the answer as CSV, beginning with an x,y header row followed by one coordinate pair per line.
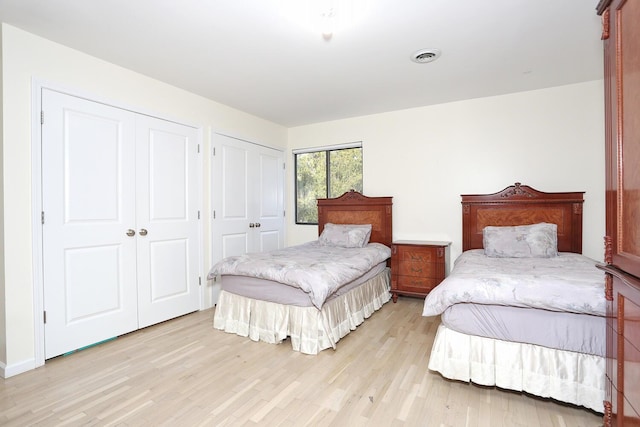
x,y
521,241
345,235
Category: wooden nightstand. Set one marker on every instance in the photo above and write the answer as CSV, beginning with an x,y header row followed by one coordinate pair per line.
x,y
417,267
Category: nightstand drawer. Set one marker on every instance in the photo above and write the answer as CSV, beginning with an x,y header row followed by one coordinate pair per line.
x,y
418,254
418,285
421,269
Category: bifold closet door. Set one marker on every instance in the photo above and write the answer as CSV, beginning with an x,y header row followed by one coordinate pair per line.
x,y
89,261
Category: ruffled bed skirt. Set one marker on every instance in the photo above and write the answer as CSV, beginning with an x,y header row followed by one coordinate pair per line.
x,y
566,376
311,330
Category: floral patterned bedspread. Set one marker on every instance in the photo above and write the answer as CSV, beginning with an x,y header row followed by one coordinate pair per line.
x,y
316,269
569,282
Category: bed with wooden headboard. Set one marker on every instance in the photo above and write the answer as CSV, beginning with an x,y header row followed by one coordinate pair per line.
x,y
522,309
521,205
265,309
355,208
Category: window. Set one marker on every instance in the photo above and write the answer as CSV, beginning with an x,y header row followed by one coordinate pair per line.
x,y
329,172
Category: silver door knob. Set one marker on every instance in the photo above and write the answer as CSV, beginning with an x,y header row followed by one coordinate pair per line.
x,y
131,233
143,232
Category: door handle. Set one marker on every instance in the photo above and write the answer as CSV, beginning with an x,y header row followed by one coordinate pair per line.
x,y
257,224
143,232
251,225
131,233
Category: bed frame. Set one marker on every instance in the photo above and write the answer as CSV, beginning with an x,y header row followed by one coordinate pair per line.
x,y
354,208
493,362
522,205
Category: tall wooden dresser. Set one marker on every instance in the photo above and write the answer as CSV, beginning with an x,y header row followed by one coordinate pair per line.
x,y
621,38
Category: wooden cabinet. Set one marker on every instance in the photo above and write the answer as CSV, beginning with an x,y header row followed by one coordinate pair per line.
x,y
417,267
621,38
622,399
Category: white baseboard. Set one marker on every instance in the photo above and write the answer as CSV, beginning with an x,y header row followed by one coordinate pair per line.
x,y
7,371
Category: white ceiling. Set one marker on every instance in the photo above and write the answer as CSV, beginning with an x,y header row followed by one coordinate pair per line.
x,y
249,54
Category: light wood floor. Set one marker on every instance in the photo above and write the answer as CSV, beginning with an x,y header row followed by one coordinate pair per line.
x,y
185,373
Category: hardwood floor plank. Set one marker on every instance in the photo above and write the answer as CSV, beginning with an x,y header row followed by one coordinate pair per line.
x,y
183,372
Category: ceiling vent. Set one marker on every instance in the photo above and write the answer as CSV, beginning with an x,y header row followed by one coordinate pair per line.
x,y
425,55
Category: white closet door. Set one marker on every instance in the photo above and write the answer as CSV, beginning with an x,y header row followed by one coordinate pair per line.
x,y
231,196
89,261
247,197
269,190
167,220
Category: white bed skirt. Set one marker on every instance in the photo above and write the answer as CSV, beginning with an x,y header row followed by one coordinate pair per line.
x,y
566,376
311,330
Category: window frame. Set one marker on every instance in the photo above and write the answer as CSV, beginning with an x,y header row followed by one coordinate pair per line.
x,y
326,150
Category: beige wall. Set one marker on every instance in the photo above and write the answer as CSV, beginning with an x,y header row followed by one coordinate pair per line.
x,y
27,57
551,139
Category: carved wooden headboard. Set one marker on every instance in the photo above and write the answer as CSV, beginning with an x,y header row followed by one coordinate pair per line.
x,y
354,208
521,205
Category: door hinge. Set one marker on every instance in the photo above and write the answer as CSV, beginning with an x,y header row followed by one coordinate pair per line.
x,y
198,214
284,213
198,148
214,151
42,217
199,281
44,316
214,214
41,117
284,165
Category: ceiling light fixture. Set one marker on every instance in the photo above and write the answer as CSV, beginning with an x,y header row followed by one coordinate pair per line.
x,y
325,17
423,56
327,23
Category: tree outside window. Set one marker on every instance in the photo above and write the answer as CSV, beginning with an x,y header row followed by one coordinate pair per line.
x,y
322,174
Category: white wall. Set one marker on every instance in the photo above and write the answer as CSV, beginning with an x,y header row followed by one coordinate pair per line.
x,y
425,158
25,57
551,139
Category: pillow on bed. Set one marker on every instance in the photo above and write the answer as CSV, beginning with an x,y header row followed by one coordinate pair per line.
x,y
521,241
345,235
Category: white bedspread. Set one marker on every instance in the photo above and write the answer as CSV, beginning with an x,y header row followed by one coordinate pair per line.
x,y
569,282
316,269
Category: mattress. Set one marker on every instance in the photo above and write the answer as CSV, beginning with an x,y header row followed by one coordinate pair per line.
x,y
568,282
577,332
318,269
272,291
